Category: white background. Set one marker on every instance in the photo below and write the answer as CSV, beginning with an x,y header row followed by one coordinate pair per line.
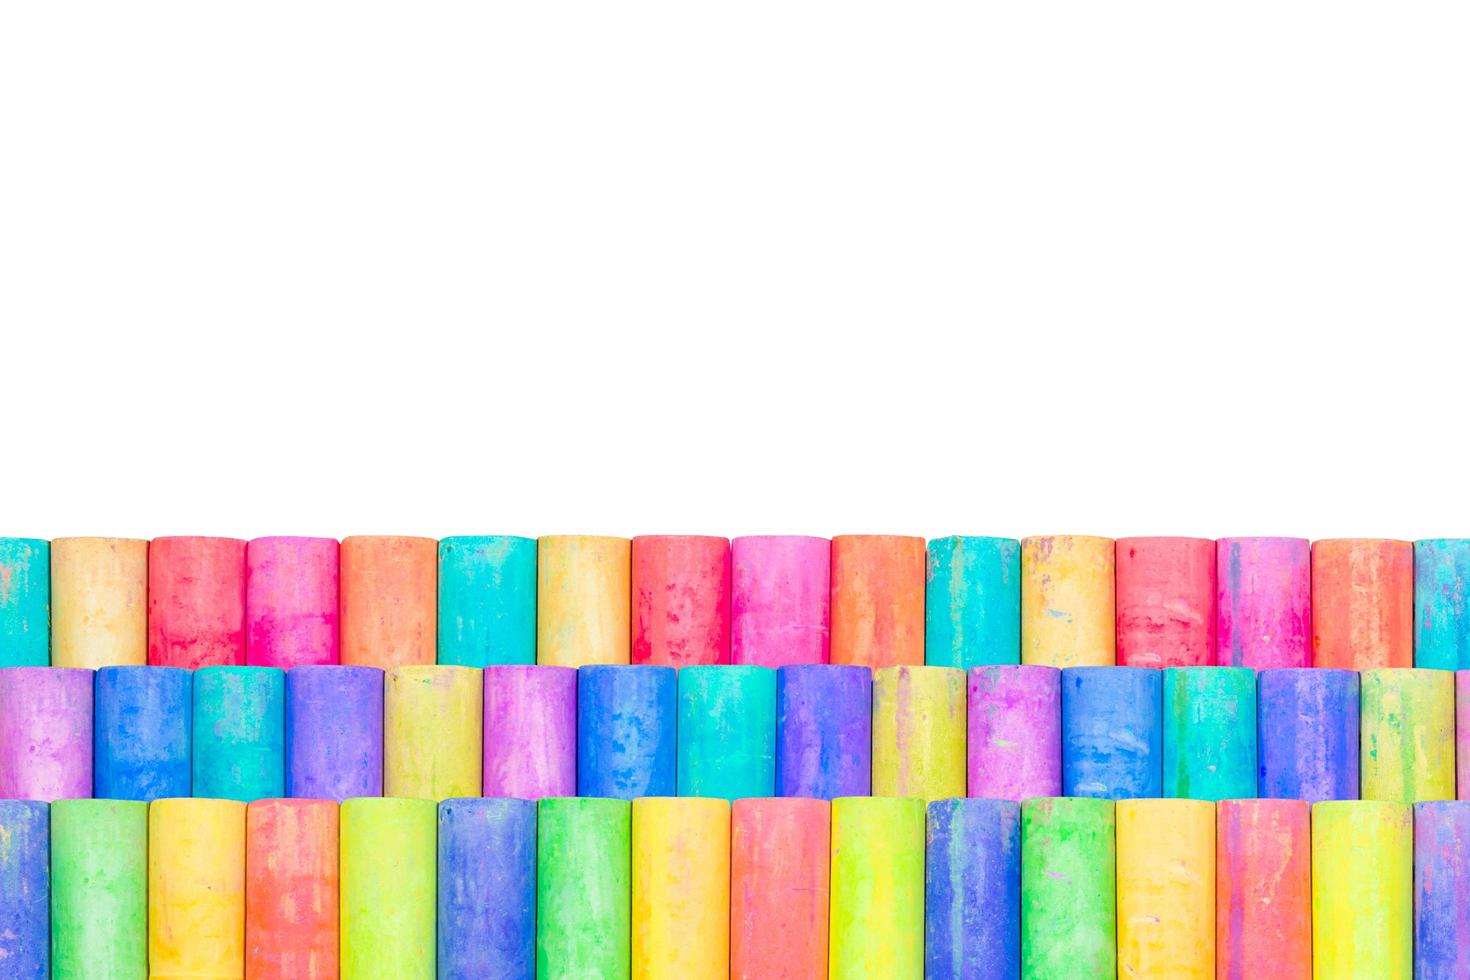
x,y
622,267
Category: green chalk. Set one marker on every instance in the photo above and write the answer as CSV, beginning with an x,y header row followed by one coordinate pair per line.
x,y
99,890
1069,916
584,915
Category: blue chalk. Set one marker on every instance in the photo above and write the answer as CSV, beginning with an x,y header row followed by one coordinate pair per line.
x,y
972,890
141,733
972,606
487,889
1442,890
626,731
239,749
25,602
824,731
1308,720
727,731
1442,603
1112,732
25,890
487,601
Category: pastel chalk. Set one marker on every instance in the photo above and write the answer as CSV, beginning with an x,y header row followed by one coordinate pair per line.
x,y
1462,734
1068,601
334,732
292,597
780,854
25,889
1014,719
291,889
530,732
824,731
143,723
25,602
627,719
1362,603
388,888
99,889
1166,888
1210,747
389,600
583,600
99,602
45,733
681,600
433,724
487,600
1263,608
196,602
238,745
726,731
1442,603
780,600
1068,899
1441,890
1112,732
584,916
972,602
1407,733
919,732
877,913
196,888
1308,733
487,889
877,600
1165,602
1362,889
973,890
1263,894
681,889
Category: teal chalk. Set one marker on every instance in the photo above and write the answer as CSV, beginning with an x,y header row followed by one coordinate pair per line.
x,y
1442,603
727,731
239,744
972,607
25,602
1210,733
487,601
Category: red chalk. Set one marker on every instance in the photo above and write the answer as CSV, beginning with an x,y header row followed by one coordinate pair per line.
x,y
681,600
196,602
1166,602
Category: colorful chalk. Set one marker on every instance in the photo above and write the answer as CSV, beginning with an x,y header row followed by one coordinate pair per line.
x,y
824,731
291,889
1441,890
780,600
1068,902
196,888
1462,734
487,600
530,731
877,600
1408,735
584,914
487,889
239,739
433,718
143,722
877,912
25,889
1263,890
681,889
389,599
727,732
1263,607
972,892
334,732
1112,732
780,852
582,600
1015,732
681,600
291,602
196,602
919,732
1165,602
972,604
1362,888
1442,603
626,731
99,602
1067,601
1308,733
99,889
1209,733
25,602
1166,888
388,888
1362,603
45,733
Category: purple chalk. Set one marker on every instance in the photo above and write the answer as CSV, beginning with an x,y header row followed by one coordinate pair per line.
x,y
530,731
334,732
824,734
1015,732
1442,890
45,733
1308,746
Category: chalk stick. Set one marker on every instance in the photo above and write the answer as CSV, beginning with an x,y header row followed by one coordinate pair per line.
x,y
25,889
45,733
433,723
582,600
1462,734
1442,890
1263,889
681,889
1166,888
1362,887
291,602
143,720
1408,735
1210,733
1067,601
919,732
626,731
1112,732
780,600
1165,602
1263,614
780,852
584,907
824,731
487,889
1068,902
1362,603
973,890
727,731
291,889
389,598
972,604
334,732
25,602
1308,733
99,889
196,602
1015,732
877,911
487,600
239,739
530,731
1442,603
99,602
681,600
877,600
196,888
388,865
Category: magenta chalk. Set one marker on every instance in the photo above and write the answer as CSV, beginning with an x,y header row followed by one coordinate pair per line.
x,y
45,733
780,601
1015,732
1263,608
291,602
530,742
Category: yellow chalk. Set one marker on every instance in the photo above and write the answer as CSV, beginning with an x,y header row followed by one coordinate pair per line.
x,y
196,889
1166,888
99,602
1362,890
1067,601
919,732
432,724
681,888
582,600
877,889
1408,735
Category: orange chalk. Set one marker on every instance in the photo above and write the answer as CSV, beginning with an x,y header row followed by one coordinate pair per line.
x,y
1263,890
779,855
389,597
291,890
878,600
1362,603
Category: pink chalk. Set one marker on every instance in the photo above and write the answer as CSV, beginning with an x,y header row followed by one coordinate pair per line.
x,y
530,731
681,600
291,602
196,602
1015,732
1263,607
1462,734
45,733
1166,601
780,600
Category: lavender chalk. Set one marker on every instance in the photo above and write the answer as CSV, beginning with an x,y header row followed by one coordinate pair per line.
x,y
824,734
334,732
1308,733
45,733
530,742
1015,732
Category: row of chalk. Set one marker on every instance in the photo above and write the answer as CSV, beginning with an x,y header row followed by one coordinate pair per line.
x,y
870,600
1012,731
698,889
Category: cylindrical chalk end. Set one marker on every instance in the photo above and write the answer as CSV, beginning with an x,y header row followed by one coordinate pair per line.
x,y
877,600
45,733
1165,602
433,722
1408,735
1112,732
99,602
582,600
239,739
1067,601
25,602
727,731
291,602
1442,889
824,733
1015,732
1263,897
877,910
780,601
1166,888
627,720
291,889
141,732
388,869
1068,897
196,888
972,605
1210,733
487,888
25,892
99,888
334,732
487,600
1309,733
973,890
1263,615
1442,603
530,731
1362,603
1362,889
196,602
681,600
389,600
681,888
919,732
583,888
779,856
